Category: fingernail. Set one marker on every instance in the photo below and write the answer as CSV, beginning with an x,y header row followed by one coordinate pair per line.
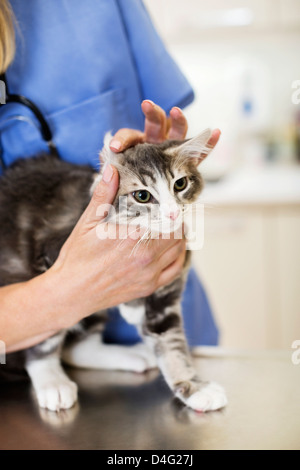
x,y
149,103
107,173
115,144
176,112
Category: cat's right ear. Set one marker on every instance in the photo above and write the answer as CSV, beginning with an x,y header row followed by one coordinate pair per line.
x,y
106,154
197,147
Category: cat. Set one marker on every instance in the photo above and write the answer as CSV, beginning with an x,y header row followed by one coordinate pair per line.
x,y
42,198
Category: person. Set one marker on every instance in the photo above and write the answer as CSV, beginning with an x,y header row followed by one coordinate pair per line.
x,y
88,66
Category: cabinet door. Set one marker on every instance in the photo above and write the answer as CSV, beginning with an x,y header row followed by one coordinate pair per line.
x,y
232,268
288,224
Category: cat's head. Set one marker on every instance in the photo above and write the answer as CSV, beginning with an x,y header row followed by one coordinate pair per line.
x,y
158,181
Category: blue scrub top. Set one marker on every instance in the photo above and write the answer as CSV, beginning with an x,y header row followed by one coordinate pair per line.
x,y
88,65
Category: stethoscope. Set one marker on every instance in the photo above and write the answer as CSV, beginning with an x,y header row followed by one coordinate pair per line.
x,y
43,125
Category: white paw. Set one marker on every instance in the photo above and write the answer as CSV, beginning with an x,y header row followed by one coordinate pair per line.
x,y
56,396
210,397
139,359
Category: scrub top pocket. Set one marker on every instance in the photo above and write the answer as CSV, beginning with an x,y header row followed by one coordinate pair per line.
x,y
78,130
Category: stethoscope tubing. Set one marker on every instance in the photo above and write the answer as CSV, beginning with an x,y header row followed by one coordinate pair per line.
x,y
44,126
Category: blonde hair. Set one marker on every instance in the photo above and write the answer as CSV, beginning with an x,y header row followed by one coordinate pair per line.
x,y
7,35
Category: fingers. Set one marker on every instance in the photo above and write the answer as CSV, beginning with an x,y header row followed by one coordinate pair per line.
x,y
171,254
157,128
173,270
103,196
126,138
155,122
214,138
178,125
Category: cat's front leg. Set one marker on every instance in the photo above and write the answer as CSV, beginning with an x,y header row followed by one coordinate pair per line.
x,y
53,389
163,326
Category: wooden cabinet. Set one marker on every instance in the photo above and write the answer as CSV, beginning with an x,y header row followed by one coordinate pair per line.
x,y
250,266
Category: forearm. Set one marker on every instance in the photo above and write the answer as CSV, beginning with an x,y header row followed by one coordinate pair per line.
x,y
28,312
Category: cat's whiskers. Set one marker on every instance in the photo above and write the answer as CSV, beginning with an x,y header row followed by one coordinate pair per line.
x,y
128,235
146,237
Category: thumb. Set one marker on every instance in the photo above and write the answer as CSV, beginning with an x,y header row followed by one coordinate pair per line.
x,y
103,195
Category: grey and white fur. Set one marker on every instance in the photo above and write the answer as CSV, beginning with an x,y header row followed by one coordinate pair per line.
x,y
41,199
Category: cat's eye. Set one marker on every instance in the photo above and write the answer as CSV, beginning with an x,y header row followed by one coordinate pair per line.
x,y
142,196
180,184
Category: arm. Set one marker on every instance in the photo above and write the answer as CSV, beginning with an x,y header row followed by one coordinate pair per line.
x,y
28,314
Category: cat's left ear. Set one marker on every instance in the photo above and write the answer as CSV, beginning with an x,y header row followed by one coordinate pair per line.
x,y
197,147
106,155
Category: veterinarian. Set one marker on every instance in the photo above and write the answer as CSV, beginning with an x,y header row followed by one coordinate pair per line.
x,y
88,66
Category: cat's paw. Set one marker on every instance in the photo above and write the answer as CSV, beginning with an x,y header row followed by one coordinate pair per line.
x,y
56,396
209,397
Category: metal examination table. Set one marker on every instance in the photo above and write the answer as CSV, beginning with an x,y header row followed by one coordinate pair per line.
x,y
120,410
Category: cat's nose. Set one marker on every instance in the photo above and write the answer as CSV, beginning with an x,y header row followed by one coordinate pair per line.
x,y
174,214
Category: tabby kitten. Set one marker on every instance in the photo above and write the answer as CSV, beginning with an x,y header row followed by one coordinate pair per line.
x,y
41,200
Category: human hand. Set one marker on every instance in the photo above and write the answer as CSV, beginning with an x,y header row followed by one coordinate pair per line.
x,y
93,274
158,127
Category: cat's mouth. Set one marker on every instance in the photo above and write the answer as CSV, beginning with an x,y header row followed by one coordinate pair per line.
x,y
157,225
167,225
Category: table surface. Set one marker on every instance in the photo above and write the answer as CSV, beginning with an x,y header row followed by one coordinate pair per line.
x,y
122,410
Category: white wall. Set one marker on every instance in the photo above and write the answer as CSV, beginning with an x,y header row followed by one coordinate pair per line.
x,y
258,61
